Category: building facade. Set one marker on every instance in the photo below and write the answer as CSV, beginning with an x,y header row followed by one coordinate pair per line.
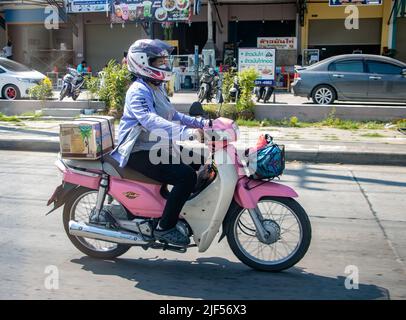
x,y
314,24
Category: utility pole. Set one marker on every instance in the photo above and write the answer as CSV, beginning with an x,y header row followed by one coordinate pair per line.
x,y
151,29
209,49
209,22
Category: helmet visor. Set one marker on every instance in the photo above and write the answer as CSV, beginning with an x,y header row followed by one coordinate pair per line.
x,y
161,63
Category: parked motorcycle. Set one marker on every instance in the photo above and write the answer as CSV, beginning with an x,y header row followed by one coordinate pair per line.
x,y
209,85
263,93
265,226
235,90
72,83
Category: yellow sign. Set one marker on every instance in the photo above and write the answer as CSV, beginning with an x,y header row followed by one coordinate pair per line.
x,y
174,43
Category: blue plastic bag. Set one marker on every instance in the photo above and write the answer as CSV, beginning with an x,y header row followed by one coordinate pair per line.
x,y
267,162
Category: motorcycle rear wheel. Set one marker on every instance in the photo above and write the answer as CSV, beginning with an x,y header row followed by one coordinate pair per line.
x,y
94,248
75,96
241,234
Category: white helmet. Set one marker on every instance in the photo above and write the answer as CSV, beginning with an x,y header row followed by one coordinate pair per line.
x,y
141,55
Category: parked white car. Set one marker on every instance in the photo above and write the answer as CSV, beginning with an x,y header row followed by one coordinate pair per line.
x,y
16,79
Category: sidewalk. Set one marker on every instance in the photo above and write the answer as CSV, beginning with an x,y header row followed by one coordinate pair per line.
x,y
324,145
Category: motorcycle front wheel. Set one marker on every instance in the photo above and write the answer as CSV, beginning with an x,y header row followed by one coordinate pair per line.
x,y
290,234
63,92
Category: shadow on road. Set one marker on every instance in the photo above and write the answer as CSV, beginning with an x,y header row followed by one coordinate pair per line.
x,y
310,174
218,278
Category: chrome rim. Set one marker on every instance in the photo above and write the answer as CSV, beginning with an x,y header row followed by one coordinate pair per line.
x,y
80,212
323,96
291,234
11,93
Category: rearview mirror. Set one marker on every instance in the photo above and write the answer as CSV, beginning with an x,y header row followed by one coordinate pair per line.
x,y
196,109
404,72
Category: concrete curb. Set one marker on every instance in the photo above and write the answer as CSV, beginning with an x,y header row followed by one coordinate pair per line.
x,y
310,112
36,145
364,158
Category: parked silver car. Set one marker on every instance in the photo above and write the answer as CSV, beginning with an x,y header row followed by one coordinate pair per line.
x,y
356,77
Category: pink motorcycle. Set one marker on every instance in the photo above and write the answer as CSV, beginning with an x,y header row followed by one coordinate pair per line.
x,y
265,227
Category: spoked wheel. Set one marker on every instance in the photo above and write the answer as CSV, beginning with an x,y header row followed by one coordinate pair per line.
x,y
289,229
78,208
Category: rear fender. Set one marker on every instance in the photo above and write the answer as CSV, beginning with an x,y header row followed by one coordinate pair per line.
x,y
61,194
72,179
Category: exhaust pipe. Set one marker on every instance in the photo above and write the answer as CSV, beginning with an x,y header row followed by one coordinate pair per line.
x,y
100,233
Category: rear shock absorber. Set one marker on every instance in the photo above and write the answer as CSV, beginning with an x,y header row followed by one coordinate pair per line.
x,y
101,195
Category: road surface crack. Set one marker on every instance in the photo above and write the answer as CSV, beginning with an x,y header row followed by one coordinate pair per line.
x,y
374,213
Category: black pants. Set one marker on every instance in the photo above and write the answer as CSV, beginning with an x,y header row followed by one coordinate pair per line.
x,y
180,175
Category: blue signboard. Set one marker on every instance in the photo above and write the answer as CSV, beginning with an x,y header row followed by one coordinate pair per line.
x,y
25,16
264,83
334,3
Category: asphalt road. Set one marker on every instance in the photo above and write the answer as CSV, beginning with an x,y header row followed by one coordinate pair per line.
x,y
357,213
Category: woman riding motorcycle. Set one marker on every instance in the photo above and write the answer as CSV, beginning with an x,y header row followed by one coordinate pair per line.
x,y
148,107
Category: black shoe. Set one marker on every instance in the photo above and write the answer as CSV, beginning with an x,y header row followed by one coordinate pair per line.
x,y
171,236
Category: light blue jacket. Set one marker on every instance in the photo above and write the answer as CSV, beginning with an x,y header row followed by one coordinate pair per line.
x,y
140,114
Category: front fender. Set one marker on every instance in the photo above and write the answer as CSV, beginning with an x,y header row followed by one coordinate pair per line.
x,y
61,195
248,192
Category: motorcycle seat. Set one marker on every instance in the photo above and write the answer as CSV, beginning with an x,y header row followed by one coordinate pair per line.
x,y
111,167
126,172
